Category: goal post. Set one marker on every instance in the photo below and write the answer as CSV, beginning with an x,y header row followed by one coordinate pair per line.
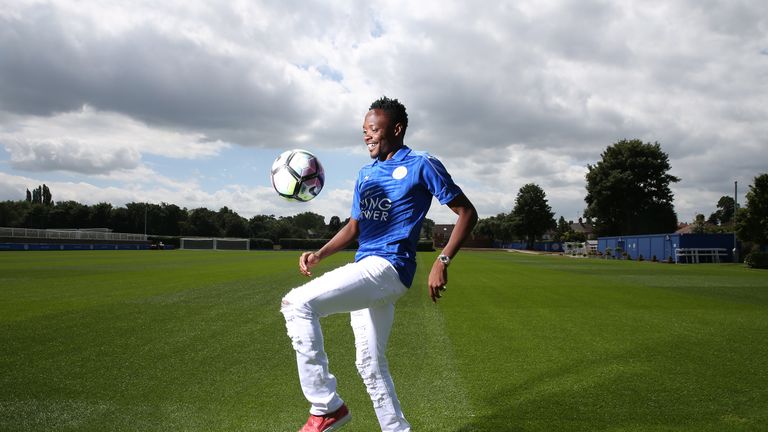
x,y
230,244
213,243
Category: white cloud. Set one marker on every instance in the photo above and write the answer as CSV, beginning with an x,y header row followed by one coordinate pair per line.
x,y
506,94
93,142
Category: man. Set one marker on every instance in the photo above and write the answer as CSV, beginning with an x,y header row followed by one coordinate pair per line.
x,y
391,199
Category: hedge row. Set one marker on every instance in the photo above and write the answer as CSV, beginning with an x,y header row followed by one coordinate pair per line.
x,y
315,244
261,244
286,243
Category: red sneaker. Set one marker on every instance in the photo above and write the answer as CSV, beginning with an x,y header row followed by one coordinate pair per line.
x,y
329,422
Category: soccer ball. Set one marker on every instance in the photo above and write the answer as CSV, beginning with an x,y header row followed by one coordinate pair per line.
x,y
297,175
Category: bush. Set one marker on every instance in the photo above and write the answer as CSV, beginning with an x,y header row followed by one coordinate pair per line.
x,y
640,257
315,244
757,259
746,248
654,259
261,244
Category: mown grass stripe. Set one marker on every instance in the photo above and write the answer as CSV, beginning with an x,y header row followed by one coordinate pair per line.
x,y
125,341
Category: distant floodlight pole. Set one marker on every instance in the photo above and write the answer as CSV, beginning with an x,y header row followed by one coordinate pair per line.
x,y
735,207
145,221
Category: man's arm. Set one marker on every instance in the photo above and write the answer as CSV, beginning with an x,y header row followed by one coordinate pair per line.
x,y
347,234
438,277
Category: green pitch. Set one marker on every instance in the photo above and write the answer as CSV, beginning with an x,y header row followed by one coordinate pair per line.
x,y
194,341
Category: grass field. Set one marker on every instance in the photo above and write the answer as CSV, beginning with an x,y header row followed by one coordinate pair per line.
x,y
194,341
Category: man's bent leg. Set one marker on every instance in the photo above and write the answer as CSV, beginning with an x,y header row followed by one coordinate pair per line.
x,y
351,287
317,383
371,328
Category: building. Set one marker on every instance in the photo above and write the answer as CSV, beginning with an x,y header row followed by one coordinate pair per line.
x,y
582,227
675,247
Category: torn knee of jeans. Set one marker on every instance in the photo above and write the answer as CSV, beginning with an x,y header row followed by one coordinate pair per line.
x,y
298,307
285,304
365,365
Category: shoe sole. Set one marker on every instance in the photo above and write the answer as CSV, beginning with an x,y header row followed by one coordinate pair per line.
x,y
341,422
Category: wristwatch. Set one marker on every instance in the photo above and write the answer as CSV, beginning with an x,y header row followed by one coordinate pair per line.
x,y
445,259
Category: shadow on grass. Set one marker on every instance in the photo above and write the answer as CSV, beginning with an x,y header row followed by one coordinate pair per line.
x,y
625,392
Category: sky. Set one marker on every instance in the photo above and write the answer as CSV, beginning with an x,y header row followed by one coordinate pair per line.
x,y
189,102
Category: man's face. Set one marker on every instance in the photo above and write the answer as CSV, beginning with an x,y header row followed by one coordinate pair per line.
x,y
382,138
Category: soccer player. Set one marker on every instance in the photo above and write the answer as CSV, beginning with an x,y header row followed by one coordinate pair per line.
x,y
391,199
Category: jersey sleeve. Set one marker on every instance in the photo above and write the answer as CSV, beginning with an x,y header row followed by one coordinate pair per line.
x,y
355,214
437,180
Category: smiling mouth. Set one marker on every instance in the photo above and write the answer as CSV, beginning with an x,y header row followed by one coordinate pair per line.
x,y
372,146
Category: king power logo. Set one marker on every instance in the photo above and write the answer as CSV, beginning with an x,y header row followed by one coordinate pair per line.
x,y
375,208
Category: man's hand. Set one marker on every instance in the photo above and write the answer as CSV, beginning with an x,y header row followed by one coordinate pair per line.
x,y
438,280
307,260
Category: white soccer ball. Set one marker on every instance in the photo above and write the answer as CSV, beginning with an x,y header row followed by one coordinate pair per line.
x,y
297,175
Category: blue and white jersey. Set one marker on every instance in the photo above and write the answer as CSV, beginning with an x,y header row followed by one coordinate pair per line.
x,y
391,201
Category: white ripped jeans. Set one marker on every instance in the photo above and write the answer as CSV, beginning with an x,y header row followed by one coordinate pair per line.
x,y
368,289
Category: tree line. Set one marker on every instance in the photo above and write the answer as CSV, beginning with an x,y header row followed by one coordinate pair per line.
x,y
165,219
628,192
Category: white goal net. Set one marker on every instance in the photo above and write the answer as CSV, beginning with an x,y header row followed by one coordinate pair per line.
x,y
201,243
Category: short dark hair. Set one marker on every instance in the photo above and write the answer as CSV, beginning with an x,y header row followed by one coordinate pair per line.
x,y
394,109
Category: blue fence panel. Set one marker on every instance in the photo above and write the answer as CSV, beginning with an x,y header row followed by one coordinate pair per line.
x,y
12,246
69,246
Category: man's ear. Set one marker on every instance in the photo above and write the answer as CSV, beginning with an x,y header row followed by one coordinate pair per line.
x,y
399,131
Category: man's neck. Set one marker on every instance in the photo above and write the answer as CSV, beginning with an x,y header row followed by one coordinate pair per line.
x,y
391,154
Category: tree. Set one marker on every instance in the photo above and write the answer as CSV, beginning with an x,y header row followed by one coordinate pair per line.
x,y
47,196
725,211
136,217
202,222
37,195
334,225
232,224
310,224
101,215
499,227
532,216
37,217
573,236
69,214
13,213
752,220
628,190
561,230
699,226
121,220
29,196
263,226
426,228
172,216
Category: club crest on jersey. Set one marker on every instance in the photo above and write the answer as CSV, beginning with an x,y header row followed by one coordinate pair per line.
x,y
399,172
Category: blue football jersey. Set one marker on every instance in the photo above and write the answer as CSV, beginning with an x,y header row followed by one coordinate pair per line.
x,y
390,203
